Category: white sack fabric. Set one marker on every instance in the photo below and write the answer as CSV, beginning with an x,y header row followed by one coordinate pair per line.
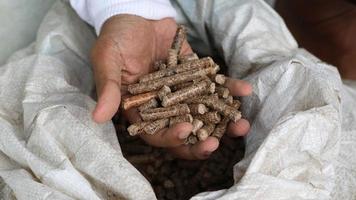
x,y
19,21
303,132
49,146
303,119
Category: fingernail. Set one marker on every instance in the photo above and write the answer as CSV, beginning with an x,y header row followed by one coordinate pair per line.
x,y
183,135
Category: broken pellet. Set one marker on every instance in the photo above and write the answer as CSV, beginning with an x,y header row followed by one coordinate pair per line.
x,y
223,92
159,65
155,126
198,108
226,110
211,87
201,63
236,104
170,80
187,58
163,92
205,131
153,103
172,59
137,128
209,117
229,100
220,129
220,79
232,113
185,93
215,103
159,113
192,139
137,100
216,68
179,38
180,119
197,124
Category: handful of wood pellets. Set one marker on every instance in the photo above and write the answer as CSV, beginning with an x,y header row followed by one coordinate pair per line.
x,y
184,89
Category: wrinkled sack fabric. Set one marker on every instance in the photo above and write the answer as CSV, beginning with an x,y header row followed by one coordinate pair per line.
x,y
49,146
302,137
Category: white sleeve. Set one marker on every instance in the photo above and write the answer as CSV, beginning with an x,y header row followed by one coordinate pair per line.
x,y
96,12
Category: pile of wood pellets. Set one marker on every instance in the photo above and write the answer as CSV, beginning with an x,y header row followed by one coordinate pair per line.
x,y
184,89
177,179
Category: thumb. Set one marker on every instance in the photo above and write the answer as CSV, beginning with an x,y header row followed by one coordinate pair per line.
x,y
107,64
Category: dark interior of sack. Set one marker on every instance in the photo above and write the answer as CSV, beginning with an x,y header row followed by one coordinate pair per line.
x,y
173,178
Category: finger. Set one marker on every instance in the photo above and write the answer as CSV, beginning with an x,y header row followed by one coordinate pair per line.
x,y
132,115
169,137
108,102
239,128
107,65
201,150
186,49
238,87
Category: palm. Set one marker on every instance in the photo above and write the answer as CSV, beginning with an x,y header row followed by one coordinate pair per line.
x,y
139,42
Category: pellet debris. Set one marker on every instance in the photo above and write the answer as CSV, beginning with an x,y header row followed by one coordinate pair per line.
x,y
185,88
177,179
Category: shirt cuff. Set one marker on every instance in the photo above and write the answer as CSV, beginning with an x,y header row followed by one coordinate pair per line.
x,y
97,12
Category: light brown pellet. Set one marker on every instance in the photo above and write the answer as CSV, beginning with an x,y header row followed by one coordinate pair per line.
x,y
185,93
170,80
153,103
198,108
180,119
159,113
209,117
137,100
205,131
155,126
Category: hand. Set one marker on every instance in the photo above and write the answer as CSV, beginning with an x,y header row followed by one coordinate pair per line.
x,y
125,50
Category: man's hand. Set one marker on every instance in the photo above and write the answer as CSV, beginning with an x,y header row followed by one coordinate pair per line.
x,y
126,49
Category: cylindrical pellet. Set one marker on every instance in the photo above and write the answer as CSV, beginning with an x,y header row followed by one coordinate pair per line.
x,y
155,126
137,100
159,113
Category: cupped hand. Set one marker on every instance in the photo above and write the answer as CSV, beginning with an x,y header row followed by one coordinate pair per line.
x,y
203,149
126,49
